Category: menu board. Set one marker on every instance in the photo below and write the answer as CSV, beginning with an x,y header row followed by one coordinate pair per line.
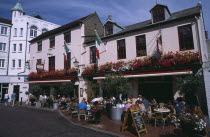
x,y
138,121
133,116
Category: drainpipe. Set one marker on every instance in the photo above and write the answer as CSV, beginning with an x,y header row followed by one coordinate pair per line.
x,y
9,51
198,37
25,50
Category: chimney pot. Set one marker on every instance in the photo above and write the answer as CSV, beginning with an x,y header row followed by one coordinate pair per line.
x,y
109,17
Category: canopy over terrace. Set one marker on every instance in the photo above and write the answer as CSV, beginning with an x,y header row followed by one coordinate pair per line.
x,y
160,85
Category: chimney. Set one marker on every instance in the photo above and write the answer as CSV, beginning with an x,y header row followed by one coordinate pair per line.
x,y
109,17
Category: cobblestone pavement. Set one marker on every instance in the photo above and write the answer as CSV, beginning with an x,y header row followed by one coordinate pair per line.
x,y
26,122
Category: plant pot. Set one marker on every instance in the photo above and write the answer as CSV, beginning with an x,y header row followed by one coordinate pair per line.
x,y
116,113
55,105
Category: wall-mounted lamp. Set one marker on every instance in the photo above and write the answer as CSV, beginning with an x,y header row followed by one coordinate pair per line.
x,y
27,63
76,64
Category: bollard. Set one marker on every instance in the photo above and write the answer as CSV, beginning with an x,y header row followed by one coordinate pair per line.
x,y
21,100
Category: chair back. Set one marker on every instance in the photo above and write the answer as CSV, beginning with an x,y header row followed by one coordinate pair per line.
x,y
158,116
81,111
161,104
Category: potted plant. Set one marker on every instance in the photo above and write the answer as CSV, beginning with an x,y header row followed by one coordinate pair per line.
x,y
114,86
36,91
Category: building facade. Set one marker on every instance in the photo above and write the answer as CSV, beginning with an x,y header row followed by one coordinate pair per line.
x,y
52,54
23,29
5,30
153,52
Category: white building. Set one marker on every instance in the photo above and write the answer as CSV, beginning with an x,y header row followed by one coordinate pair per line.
x,y
24,28
5,29
47,50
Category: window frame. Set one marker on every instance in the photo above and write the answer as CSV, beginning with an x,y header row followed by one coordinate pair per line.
x,y
2,63
51,64
182,40
15,32
119,50
14,47
39,46
19,63
142,44
67,37
3,46
3,30
33,31
20,47
13,63
52,42
158,14
21,32
109,29
93,59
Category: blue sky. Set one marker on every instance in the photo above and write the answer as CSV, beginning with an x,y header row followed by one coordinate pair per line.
x,y
124,12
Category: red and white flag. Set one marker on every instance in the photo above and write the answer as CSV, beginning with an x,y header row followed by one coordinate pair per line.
x,y
98,42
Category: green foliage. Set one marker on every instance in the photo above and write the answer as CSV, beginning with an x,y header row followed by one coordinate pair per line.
x,y
93,89
188,86
66,89
54,92
36,90
115,85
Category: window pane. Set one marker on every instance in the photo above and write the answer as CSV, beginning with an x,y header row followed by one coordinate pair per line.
x,y
14,47
141,46
52,42
121,49
185,37
93,55
39,46
67,37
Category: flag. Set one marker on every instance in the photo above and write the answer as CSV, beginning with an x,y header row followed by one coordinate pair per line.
x,y
98,42
66,50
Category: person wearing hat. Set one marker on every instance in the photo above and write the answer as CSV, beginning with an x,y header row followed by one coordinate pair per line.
x,y
129,103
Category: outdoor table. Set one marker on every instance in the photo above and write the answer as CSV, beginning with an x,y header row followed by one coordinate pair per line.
x,y
162,110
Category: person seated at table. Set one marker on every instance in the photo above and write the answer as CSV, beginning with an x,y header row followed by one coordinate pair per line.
x,y
141,106
146,104
128,105
85,101
82,105
171,108
131,98
153,104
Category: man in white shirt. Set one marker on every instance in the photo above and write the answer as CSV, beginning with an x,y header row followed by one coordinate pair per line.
x,y
6,98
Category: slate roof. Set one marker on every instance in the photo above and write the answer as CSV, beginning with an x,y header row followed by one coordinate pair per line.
x,y
6,21
18,7
62,28
180,15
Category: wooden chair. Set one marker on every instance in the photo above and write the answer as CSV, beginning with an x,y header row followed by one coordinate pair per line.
x,y
74,113
82,112
161,104
159,117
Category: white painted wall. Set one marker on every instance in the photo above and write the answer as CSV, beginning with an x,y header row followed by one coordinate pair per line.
x,y
4,54
170,42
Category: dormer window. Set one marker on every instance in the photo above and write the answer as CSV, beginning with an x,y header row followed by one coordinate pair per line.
x,y
158,14
108,29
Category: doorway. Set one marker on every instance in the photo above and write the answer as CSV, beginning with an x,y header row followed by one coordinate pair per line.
x,y
160,88
16,90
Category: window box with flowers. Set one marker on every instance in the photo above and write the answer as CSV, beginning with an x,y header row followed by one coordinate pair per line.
x,y
169,61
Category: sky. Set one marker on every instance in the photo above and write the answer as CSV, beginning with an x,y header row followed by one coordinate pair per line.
x,y
124,12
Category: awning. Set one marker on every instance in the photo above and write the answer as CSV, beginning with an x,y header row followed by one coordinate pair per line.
x,y
153,74
50,80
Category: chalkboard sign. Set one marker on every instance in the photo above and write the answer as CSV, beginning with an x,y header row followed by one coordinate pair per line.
x,y
138,121
133,115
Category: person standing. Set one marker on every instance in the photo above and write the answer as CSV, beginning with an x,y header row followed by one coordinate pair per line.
x,y
13,98
6,98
